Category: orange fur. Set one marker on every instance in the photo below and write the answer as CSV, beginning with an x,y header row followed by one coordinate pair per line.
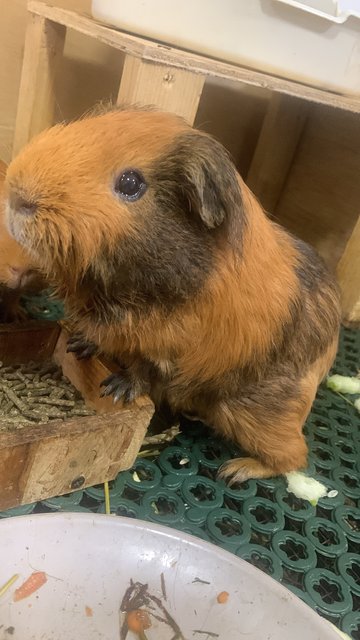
x,y
246,351
279,448
82,237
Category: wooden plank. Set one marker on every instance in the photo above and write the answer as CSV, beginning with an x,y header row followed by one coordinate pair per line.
x,y
12,461
44,44
55,459
148,83
76,426
348,273
276,147
320,200
20,343
163,54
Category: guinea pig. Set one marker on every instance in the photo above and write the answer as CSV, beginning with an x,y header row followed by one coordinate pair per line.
x,y
168,262
18,275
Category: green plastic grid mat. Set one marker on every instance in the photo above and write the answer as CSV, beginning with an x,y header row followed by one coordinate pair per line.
x,y
314,551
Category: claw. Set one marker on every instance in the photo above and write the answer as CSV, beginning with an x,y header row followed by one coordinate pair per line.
x,y
117,396
122,387
80,347
116,385
87,353
111,382
130,395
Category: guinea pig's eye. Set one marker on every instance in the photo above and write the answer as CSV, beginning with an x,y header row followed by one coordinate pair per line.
x,y
130,185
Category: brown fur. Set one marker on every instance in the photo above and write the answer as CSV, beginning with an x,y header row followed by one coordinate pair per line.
x,y
17,273
212,308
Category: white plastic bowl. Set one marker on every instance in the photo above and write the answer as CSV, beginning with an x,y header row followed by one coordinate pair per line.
x,y
90,559
311,41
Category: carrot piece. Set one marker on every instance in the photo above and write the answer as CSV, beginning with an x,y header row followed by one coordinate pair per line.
x,y
32,584
138,620
222,597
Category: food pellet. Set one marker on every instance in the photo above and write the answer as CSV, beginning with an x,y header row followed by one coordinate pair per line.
x,y
57,402
37,393
82,412
14,398
58,393
19,387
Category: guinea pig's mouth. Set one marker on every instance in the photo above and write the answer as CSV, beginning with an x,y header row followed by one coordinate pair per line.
x,y
20,278
16,222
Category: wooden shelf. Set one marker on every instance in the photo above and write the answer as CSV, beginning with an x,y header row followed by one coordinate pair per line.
x,y
151,51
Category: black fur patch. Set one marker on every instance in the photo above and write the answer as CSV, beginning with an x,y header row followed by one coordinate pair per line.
x,y
191,207
311,271
162,266
315,311
198,174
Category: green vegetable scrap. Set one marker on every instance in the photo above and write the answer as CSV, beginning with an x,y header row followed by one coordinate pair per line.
x,y
343,384
305,488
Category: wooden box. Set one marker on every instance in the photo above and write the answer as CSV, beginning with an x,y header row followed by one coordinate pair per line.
x,y
45,460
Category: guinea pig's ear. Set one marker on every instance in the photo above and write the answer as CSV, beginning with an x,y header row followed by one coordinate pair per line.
x,y
199,171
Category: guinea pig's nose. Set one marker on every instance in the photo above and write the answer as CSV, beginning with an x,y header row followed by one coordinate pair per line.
x,y
21,205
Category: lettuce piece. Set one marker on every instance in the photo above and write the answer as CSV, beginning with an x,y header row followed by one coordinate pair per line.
x,y
304,487
343,384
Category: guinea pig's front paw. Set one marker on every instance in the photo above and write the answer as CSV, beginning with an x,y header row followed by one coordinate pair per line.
x,y
82,349
123,386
